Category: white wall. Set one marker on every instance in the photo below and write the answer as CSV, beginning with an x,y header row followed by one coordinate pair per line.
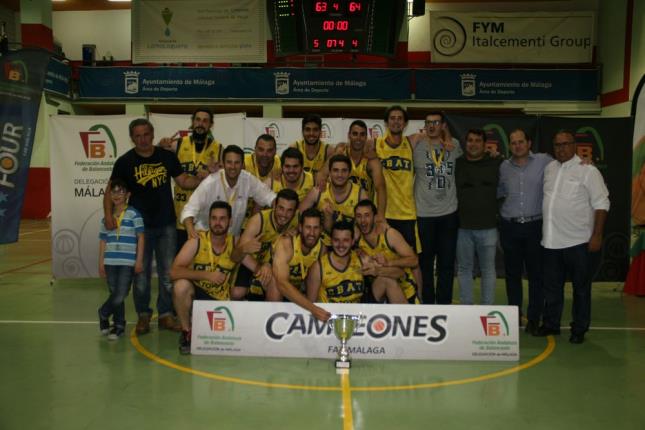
x,y
108,30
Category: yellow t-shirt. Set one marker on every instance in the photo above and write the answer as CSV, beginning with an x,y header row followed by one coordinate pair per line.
x,y
341,286
191,162
206,259
318,162
406,282
306,184
300,262
360,176
398,171
343,210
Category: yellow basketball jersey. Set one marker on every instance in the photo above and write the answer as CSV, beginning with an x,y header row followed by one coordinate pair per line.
x,y
341,286
305,185
399,179
318,162
191,161
406,282
343,210
269,234
208,260
300,262
251,166
360,176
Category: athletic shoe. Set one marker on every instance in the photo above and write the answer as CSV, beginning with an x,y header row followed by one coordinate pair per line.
x,y
104,325
184,343
115,333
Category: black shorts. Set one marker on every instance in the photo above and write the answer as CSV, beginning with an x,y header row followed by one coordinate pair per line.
x,y
201,294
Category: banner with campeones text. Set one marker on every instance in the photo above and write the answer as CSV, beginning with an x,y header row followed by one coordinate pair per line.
x,y
406,332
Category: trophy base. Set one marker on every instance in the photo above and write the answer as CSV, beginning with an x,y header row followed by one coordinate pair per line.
x,y
343,364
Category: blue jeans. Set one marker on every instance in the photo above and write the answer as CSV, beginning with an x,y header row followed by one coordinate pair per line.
x,y
438,237
161,241
580,264
522,249
483,243
119,279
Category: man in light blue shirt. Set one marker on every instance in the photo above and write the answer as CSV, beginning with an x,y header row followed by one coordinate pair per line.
x,y
521,186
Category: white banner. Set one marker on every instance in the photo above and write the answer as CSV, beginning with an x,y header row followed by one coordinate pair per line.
x,y
512,37
416,332
83,151
227,128
172,31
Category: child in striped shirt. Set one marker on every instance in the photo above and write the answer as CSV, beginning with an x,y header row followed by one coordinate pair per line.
x,y
120,257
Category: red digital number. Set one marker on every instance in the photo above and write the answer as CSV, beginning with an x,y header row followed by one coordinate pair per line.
x,y
331,43
320,6
316,43
354,43
336,6
354,6
329,25
335,25
341,43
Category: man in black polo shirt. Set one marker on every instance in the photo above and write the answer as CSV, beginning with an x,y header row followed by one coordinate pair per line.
x,y
147,170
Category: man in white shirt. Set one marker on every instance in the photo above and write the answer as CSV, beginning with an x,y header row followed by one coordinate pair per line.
x,y
574,209
230,184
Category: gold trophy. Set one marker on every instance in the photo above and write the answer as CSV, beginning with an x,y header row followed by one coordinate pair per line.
x,y
344,326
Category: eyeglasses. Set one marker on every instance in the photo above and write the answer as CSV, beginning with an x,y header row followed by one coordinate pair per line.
x,y
434,122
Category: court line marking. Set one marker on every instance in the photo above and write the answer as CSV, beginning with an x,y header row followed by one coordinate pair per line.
x,y
152,356
24,267
32,232
348,419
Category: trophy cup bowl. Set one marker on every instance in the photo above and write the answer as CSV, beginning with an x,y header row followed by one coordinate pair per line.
x,y
344,326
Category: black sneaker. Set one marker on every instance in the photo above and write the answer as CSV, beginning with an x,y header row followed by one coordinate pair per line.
x,y
116,332
104,325
184,343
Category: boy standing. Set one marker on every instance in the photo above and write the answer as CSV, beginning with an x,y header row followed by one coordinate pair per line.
x,y
120,257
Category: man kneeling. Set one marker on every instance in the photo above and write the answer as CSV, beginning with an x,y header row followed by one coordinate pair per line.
x,y
205,268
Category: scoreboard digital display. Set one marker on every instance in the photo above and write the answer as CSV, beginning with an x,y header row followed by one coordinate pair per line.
x,y
335,26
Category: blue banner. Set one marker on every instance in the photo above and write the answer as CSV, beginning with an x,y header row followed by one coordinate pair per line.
x,y
506,85
243,83
21,86
58,77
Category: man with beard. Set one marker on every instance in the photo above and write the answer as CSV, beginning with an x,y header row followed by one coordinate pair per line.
x,y
292,258
367,172
264,164
337,276
199,155
314,151
387,258
205,268
341,195
293,175
231,184
265,227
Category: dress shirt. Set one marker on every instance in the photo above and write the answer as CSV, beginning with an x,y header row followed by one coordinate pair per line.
x,y
521,186
572,193
215,187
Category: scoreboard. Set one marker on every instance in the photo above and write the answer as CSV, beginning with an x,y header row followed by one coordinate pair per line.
x,y
335,26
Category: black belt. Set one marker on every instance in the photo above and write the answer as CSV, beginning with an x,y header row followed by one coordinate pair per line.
x,y
524,219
